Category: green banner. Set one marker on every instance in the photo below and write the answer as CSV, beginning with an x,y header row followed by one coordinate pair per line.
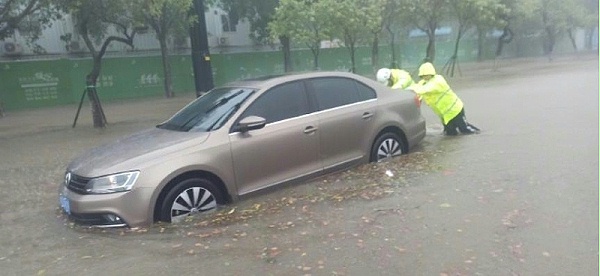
x,y
32,84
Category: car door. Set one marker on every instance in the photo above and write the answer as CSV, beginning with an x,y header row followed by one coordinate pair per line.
x,y
346,109
286,148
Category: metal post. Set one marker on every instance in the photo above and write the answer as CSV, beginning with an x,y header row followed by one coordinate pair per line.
x,y
79,108
203,78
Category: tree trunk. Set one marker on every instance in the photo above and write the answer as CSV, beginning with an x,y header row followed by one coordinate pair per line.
x,y
98,116
164,51
550,42
1,109
394,62
375,53
315,52
572,38
352,58
90,80
287,56
454,59
505,38
430,54
589,38
351,47
480,41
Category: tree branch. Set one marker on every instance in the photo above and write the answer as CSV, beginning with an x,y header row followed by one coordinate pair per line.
x,y
128,40
11,22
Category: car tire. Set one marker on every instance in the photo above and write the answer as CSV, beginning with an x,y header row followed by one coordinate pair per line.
x,y
190,197
387,146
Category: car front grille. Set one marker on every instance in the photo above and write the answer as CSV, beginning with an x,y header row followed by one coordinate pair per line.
x,y
77,184
97,220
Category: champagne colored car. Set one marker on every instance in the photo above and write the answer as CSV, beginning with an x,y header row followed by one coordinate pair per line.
x,y
237,139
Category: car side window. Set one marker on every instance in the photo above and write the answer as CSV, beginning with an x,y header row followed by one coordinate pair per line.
x,y
279,103
334,92
365,92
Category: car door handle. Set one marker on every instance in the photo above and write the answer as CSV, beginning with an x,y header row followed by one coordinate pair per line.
x,y
310,129
367,115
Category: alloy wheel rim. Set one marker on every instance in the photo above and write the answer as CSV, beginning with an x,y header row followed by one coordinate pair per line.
x,y
387,149
192,201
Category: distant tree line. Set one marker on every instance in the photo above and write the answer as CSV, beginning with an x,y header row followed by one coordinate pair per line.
x,y
302,22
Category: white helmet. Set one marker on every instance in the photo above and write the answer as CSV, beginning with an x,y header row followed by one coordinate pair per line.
x,y
383,75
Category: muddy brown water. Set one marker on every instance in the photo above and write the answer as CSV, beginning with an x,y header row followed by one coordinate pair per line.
x,y
509,201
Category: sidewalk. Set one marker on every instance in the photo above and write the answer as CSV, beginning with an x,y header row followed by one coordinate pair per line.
x,y
502,68
151,111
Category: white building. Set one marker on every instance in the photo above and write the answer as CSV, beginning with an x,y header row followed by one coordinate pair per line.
x,y
223,36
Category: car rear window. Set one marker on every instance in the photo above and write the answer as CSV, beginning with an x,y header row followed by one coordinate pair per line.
x,y
337,91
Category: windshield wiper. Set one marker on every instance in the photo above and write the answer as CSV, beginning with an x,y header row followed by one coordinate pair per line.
x,y
220,103
225,115
224,101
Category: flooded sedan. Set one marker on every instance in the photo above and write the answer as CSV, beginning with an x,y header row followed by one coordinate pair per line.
x,y
237,139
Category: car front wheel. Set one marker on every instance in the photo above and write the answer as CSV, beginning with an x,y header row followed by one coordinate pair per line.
x,y
387,146
188,198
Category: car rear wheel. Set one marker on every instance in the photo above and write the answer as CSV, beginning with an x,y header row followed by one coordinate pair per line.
x,y
188,198
387,146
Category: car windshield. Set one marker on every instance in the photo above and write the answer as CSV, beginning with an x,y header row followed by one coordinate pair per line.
x,y
210,111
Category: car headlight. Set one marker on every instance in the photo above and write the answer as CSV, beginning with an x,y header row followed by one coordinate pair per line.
x,y
114,183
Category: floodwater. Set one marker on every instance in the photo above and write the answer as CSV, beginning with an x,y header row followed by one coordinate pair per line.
x,y
521,198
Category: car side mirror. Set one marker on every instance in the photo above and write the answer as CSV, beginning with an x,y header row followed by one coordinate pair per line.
x,y
251,123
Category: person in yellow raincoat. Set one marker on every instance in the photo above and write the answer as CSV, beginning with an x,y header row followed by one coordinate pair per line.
x,y
437,94
394,78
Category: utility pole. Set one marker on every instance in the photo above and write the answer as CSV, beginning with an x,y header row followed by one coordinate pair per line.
x,y
203,78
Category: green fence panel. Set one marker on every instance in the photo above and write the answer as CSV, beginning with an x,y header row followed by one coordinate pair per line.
x,y
78,70
32,84
182,74
120,78
135,77
237,66
28,84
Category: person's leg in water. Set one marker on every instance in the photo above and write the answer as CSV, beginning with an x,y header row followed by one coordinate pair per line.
x,y
450,129
460,122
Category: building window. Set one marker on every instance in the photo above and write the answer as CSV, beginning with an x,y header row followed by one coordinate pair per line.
x,y
228,25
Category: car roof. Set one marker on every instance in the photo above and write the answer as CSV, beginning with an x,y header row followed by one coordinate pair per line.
x,y
270,80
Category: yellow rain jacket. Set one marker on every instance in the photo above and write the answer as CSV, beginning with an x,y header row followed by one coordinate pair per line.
x,y
400,79
439,97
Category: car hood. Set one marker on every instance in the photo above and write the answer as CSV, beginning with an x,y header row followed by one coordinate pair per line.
x,y
130,152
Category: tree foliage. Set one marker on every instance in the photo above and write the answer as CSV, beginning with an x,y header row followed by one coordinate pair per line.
x,y
559,18
468,14
305,22
393,20
513,15
355,21
426,15
29,16
258,13
168,19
